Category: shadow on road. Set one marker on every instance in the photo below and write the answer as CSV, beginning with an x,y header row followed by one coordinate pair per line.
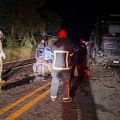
x,y
11,85
82,97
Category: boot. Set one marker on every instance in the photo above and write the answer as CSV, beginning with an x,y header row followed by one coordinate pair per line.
x,y
2,81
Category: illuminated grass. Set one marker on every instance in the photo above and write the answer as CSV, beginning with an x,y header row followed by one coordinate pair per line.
x,y
18,53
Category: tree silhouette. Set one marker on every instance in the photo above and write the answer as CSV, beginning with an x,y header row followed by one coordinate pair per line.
x,y
24,17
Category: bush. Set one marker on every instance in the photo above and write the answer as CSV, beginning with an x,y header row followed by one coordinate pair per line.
x,y
10,41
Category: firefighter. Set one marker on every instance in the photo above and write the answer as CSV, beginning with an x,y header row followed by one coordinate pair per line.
x,y
61,66
2,55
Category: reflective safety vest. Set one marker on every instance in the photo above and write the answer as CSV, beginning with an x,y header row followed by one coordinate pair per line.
x,y
61,60
61,50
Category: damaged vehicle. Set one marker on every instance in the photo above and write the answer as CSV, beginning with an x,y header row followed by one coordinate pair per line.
x,y
105,41
109,51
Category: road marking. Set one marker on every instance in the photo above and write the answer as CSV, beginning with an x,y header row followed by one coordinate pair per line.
x,y
27,106
5,109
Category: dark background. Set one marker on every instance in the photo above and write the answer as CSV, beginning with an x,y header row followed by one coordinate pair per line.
x,y
79,15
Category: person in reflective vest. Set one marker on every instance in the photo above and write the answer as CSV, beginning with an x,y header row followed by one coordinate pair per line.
x,y
62,52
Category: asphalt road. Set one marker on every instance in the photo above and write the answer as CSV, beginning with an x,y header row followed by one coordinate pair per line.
x,y
27,98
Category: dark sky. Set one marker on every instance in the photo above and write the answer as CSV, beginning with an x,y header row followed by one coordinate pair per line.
x,y
79,15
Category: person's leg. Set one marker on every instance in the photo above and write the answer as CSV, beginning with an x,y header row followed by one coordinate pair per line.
x,y
54,84
79,68
1,65
66,85
73,70
1,81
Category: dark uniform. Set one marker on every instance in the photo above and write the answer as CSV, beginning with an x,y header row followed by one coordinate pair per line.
x,y
82,59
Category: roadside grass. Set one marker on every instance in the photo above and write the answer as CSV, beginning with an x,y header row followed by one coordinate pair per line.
x,y
22,52
18,53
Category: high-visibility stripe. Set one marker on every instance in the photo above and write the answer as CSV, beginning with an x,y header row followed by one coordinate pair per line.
x,y
56,68
5,109
66,60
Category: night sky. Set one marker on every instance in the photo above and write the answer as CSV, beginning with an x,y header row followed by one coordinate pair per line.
x,y
79,15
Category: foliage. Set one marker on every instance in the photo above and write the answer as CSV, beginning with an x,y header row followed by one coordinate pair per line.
x,y
20,14
53,21
10,41
25,17
18,53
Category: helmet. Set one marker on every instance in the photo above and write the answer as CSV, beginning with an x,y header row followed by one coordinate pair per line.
x,y
62,34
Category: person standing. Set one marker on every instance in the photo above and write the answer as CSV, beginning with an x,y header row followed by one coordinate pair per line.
x,y
81,58
41,48
62,52
2,56
75,61
39,67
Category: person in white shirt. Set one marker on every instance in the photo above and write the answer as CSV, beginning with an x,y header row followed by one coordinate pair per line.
x,y
2,56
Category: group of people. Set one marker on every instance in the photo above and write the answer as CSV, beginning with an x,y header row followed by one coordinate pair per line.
x,y
64,59
81,55
59,60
